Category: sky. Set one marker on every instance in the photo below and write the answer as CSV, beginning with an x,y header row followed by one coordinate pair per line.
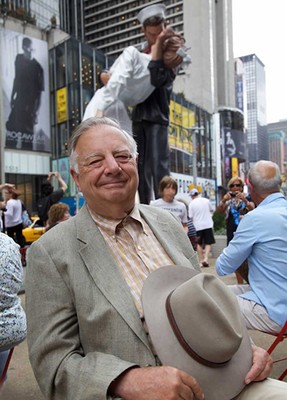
x,y
260,27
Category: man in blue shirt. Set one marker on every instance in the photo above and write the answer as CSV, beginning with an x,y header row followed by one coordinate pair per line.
x,y
261,237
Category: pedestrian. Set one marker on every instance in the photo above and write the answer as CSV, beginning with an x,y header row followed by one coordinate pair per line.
x,y
57,213
49,196
3,205
167,190
86,332
200,212
191,231
261,239
13,215
151,117
235,204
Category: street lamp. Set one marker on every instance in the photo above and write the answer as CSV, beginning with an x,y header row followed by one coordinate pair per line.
x,y
194,130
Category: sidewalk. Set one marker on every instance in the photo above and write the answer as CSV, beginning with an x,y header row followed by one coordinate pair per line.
x,y
21,384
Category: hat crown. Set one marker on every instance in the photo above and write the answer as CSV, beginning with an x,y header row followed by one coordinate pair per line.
x,y
187,310
204,297
155,10
193,192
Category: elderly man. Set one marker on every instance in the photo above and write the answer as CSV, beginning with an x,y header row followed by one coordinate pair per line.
x,y
261,238
86,335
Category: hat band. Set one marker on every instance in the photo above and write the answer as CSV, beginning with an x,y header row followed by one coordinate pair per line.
x,y
183,342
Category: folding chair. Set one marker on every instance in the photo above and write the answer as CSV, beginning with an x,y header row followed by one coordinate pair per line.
x,y
6,366
279,337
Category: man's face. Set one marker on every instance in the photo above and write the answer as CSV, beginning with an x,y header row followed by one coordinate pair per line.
x,y
28,51
168,194
107,175
151,33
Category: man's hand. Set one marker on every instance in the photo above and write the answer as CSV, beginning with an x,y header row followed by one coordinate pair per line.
x,y
166,33
157,48
50,175
7,186
157,383
262,365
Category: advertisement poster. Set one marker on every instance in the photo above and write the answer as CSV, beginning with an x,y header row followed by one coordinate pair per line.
x,y
234,143
206,187
25,86
181,120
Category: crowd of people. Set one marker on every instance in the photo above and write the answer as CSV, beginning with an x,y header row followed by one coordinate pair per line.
x,y
13,327
120,306
260,238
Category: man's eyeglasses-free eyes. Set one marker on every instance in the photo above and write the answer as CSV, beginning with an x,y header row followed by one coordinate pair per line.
x,y
235,185
95,161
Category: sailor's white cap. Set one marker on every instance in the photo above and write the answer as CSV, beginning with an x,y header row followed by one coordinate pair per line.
x,y
156,10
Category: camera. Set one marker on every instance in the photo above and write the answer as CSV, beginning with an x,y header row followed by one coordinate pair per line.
x,y
232,194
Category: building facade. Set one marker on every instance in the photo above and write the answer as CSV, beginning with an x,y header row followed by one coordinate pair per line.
x,y
257,139
30,21
72,61
41,13
277,143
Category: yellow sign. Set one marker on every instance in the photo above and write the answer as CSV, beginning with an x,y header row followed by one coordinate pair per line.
x,y
62,114
181,118
234,166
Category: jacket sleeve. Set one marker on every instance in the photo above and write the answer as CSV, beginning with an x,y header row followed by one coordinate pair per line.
x,y
159,75
76,347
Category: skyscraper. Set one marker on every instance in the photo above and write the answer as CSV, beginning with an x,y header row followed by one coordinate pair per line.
x,y
257,139
277,137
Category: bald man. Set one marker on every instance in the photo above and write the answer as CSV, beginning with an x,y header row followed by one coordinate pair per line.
x,y
261,238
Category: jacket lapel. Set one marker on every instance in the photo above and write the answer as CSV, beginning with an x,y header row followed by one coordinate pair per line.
x,y
103,268
172,244
105,273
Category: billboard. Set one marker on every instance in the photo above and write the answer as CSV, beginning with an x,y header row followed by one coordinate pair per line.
x,y
25,92
234,143
181,118
62,105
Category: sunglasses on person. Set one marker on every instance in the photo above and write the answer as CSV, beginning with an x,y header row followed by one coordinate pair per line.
x,y
235,185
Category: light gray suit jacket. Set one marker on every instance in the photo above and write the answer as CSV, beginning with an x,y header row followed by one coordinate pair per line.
x,y
83,327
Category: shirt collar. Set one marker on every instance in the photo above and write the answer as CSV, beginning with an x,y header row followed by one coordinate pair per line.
x,y
271,197
110,225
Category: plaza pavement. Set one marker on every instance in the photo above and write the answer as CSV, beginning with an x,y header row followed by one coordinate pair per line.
x,y
21,384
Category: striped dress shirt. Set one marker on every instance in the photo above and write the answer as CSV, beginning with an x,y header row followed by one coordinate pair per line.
x,y
135,249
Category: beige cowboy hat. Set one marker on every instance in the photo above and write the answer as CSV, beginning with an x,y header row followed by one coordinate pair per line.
x,y
195,325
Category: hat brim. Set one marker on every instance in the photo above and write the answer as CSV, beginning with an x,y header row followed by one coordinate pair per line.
x,y
224,382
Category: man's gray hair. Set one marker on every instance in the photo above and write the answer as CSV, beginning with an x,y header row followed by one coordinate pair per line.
x,y
265,177
91,123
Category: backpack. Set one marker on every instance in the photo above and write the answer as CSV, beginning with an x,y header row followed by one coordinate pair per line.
x,y
44,205
26,220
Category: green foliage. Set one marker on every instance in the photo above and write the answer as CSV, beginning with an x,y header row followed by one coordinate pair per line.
x,y
219,223
19,13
